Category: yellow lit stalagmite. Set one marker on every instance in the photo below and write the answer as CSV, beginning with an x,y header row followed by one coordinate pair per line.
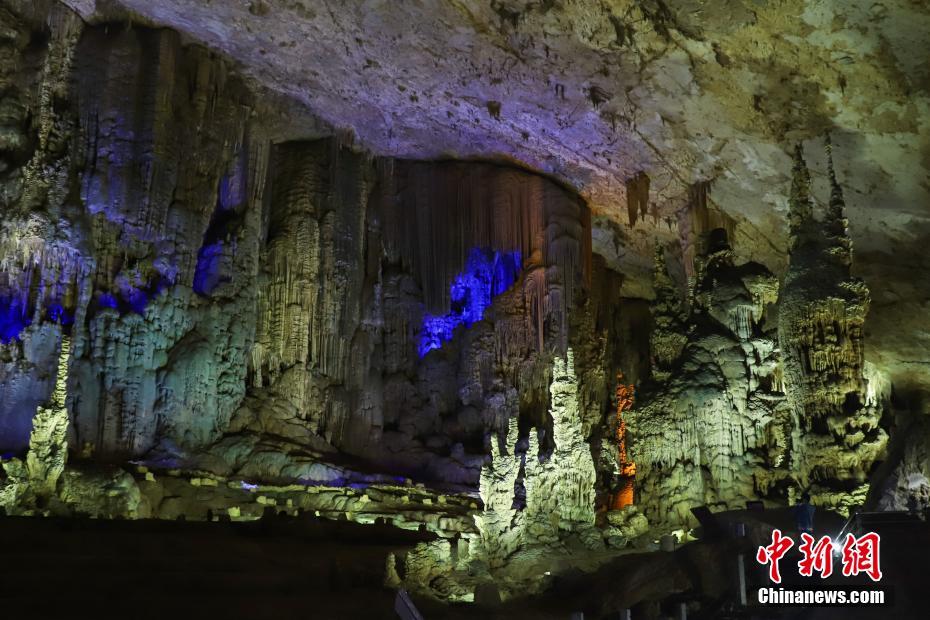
x,y
48,443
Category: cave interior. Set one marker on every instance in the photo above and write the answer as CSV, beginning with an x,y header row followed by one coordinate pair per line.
x,y
458,310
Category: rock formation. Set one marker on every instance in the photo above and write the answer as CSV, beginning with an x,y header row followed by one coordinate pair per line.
x,y
497,525
715,431
48,446
560,488
35,481
836,433
670,329
283,260
514,544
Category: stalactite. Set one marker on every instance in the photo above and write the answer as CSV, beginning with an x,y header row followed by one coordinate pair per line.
x,y
45,175
695,220
637,197
435,214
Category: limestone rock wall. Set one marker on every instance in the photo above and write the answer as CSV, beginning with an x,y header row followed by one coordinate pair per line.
x,y
251,305
264,304
134,227
312,350
382,334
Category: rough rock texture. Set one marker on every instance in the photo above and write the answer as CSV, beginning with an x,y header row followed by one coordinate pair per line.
x,y
908,485
265,308
110,211
560,489
713,428
517,541
48,444
284,258
670,329
822,311
607,94
741,412
499,539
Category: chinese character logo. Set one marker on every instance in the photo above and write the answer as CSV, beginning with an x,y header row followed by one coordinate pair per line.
x,y
773,553
859,555
816,557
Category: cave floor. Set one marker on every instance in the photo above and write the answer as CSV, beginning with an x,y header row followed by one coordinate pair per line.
x,y
283,567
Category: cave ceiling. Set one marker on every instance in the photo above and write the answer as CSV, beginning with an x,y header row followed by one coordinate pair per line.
x,y
595,92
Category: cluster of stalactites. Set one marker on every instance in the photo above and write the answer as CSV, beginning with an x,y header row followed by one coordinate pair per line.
x,y
637,197
39,280
435,214
309,308
695,220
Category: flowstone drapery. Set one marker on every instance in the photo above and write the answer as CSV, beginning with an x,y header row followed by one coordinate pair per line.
x,y
707,431
243,302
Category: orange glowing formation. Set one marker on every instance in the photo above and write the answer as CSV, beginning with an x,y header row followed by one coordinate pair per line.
x,y
624,495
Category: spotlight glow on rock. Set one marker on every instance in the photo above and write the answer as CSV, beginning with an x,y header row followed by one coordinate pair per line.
x,y
487,274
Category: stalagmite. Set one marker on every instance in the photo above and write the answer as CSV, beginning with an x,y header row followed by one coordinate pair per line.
x,y
559,488
48,443
836,435
499,538
707,431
